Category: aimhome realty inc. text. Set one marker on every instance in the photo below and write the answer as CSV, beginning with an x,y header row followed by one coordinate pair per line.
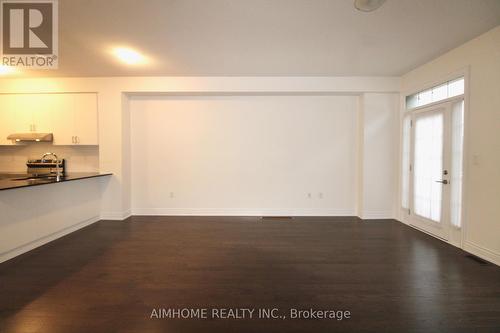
x,y
247,313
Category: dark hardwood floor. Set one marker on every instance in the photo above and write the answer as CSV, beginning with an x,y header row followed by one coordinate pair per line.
x,y
110,276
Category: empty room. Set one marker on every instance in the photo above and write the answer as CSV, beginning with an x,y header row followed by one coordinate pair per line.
x,y
249,166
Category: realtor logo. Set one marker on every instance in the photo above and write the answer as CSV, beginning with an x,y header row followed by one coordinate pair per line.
x,y
29,33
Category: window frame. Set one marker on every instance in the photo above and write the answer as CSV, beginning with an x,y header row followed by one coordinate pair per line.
x,y
462,95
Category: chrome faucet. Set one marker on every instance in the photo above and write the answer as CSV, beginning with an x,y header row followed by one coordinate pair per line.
x,y
58,170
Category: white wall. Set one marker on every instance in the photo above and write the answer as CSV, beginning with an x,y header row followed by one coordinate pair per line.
x,y
244,155
481,57
379,160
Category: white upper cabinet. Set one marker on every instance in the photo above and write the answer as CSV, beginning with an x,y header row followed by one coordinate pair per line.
x,y
41,108
6,119
64,120
12,121
86,128
76,120
72,117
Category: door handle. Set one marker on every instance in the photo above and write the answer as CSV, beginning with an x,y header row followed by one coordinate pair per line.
x,y
444,181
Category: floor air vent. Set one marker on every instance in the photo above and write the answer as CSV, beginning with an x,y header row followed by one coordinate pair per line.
x,y
478,260
276,217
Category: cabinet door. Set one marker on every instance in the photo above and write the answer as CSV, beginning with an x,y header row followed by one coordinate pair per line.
x,y
62,114
21,112
16,115
41,108
86,119
6,119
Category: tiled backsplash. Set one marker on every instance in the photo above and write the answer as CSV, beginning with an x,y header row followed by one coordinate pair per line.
x,y
78,158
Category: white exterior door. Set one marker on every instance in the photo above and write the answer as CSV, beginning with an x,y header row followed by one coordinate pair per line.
x,y
430,171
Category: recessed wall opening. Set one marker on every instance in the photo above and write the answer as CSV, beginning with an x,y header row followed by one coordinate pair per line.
x,y
257,155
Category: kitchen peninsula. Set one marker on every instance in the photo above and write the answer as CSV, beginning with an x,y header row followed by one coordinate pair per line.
x,y
35,212
14,181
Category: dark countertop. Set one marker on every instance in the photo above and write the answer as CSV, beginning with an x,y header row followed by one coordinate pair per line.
x,y
9,181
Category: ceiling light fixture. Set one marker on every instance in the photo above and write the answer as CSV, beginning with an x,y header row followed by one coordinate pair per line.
x,y
129,56
368,5
5,70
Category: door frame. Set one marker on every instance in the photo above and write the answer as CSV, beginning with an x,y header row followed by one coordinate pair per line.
x,y
402,213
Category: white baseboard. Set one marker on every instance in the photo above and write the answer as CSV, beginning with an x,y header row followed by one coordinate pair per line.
x,y
44,240
377,215
116,216
470,247
482,252
241,212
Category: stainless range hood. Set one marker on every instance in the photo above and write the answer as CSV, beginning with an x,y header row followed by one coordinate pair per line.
x,y
31,137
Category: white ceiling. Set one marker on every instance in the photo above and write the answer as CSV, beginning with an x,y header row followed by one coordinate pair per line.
x,y
264,37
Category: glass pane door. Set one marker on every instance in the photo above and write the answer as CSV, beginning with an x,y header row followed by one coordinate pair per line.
x,y
436,170
428,165
429,179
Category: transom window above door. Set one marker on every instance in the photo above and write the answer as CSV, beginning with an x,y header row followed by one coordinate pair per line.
x,y
437,93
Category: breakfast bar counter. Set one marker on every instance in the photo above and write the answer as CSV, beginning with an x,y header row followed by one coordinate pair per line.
x,y
37,210
9,181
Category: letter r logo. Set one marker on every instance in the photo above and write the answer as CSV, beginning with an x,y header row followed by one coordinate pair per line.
x,y
27,27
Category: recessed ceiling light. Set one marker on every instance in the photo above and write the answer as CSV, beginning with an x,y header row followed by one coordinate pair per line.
x,y
6,70
129,56
368,5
